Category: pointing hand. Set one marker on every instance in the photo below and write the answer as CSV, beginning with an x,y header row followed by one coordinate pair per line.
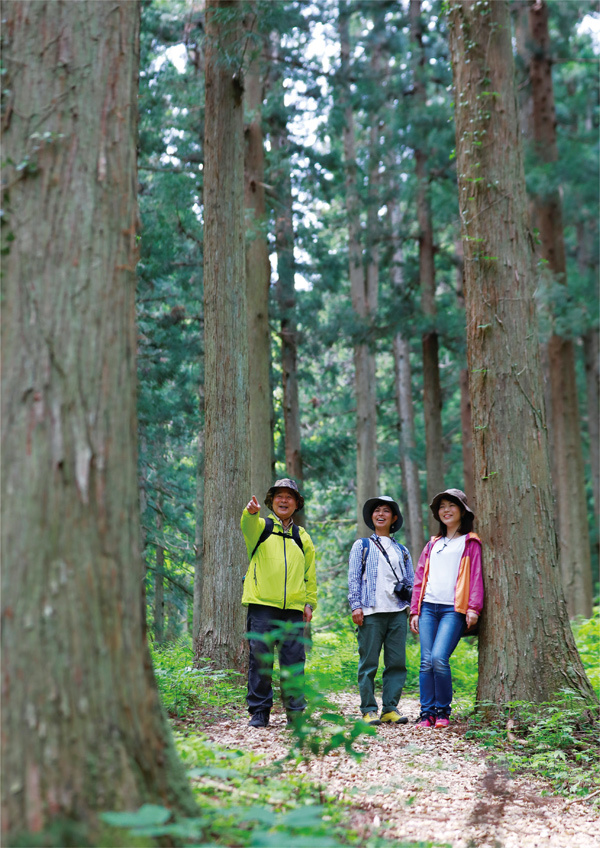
x,y
253,505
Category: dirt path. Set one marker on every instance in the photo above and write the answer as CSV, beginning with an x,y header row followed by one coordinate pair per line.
x,y
417,784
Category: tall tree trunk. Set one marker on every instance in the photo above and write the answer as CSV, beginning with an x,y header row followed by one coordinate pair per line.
x,y
567,454
534,657
405,405
258,278
82,725
591,351
159,577
466,426
364,357
198,534
432,392
227,448
285,288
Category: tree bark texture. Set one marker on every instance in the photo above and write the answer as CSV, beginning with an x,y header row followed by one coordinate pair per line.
x,y
567,453
286,302
364,298
258,278
227,446
83,729
198,529
405,406
159,579
526,650
591,350
465,397
285,287
432,392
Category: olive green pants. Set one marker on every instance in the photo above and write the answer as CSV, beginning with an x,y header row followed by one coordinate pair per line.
x,y
385,630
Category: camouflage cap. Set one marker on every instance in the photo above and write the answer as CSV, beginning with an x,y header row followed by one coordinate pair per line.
x,y
284,483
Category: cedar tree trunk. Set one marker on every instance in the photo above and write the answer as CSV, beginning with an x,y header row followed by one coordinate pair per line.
x,y
83,729
526,650
432,392
362,298
220,635
258,278
567,453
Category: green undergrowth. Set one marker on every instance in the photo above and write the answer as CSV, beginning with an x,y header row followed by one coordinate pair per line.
x,y
557,741
244,801
185,689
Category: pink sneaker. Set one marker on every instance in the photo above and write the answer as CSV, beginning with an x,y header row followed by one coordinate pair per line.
x,y
426,721
442,722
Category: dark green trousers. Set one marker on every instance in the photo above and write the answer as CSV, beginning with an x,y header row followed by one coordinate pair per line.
x,y
385,630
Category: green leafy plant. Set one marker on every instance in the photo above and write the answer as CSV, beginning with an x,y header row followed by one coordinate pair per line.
x,y
184,688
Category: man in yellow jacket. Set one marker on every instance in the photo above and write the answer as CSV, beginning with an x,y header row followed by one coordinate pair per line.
x,y
280,586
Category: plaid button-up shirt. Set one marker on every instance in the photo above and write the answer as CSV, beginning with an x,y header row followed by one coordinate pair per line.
x,y
361,587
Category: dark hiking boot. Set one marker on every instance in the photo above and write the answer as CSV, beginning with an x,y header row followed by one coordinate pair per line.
x,y
259,719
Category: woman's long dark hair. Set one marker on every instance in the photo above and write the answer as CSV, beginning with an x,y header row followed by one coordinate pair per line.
x,y
466,519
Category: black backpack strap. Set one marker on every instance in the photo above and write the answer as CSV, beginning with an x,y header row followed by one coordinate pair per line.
x,y
296,536
365,548
267,530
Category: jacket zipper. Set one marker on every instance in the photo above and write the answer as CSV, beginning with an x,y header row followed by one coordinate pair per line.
x,y
285,577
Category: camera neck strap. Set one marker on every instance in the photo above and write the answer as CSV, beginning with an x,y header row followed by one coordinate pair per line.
x,y
378,544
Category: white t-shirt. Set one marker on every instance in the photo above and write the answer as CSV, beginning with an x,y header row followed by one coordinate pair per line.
x,y
385,600
444,563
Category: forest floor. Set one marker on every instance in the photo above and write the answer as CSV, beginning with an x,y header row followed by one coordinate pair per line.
x,y
433,786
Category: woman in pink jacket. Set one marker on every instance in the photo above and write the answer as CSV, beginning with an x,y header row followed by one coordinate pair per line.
x,y
447,598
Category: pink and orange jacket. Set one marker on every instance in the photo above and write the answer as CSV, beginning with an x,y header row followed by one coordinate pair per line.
x,y
469,584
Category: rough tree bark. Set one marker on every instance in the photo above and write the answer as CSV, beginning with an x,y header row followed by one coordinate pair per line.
x,y
535,655
159,578
466,424
404,404
364,299
220,635
258,278
82,725
432,391
563,417
285,287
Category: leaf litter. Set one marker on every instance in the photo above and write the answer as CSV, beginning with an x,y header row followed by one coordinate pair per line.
x,y
423,785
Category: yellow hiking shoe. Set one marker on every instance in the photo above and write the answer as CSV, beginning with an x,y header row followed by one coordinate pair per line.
x,y
393,717
371,718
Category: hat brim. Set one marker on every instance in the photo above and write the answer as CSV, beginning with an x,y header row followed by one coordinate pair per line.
x,y
434,506
271,493
370,506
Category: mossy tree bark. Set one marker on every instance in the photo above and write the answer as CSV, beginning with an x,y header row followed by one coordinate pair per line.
x,y
83,729
220,635
526,651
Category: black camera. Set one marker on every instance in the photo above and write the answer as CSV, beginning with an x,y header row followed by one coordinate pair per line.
x,y
403,590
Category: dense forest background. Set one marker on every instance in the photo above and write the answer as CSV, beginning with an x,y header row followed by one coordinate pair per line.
x,y
393,81
361,240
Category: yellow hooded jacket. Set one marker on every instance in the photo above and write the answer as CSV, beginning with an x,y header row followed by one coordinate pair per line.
x,y
279,574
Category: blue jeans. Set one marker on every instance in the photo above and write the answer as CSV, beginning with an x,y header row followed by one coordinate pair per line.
x,y
440,629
